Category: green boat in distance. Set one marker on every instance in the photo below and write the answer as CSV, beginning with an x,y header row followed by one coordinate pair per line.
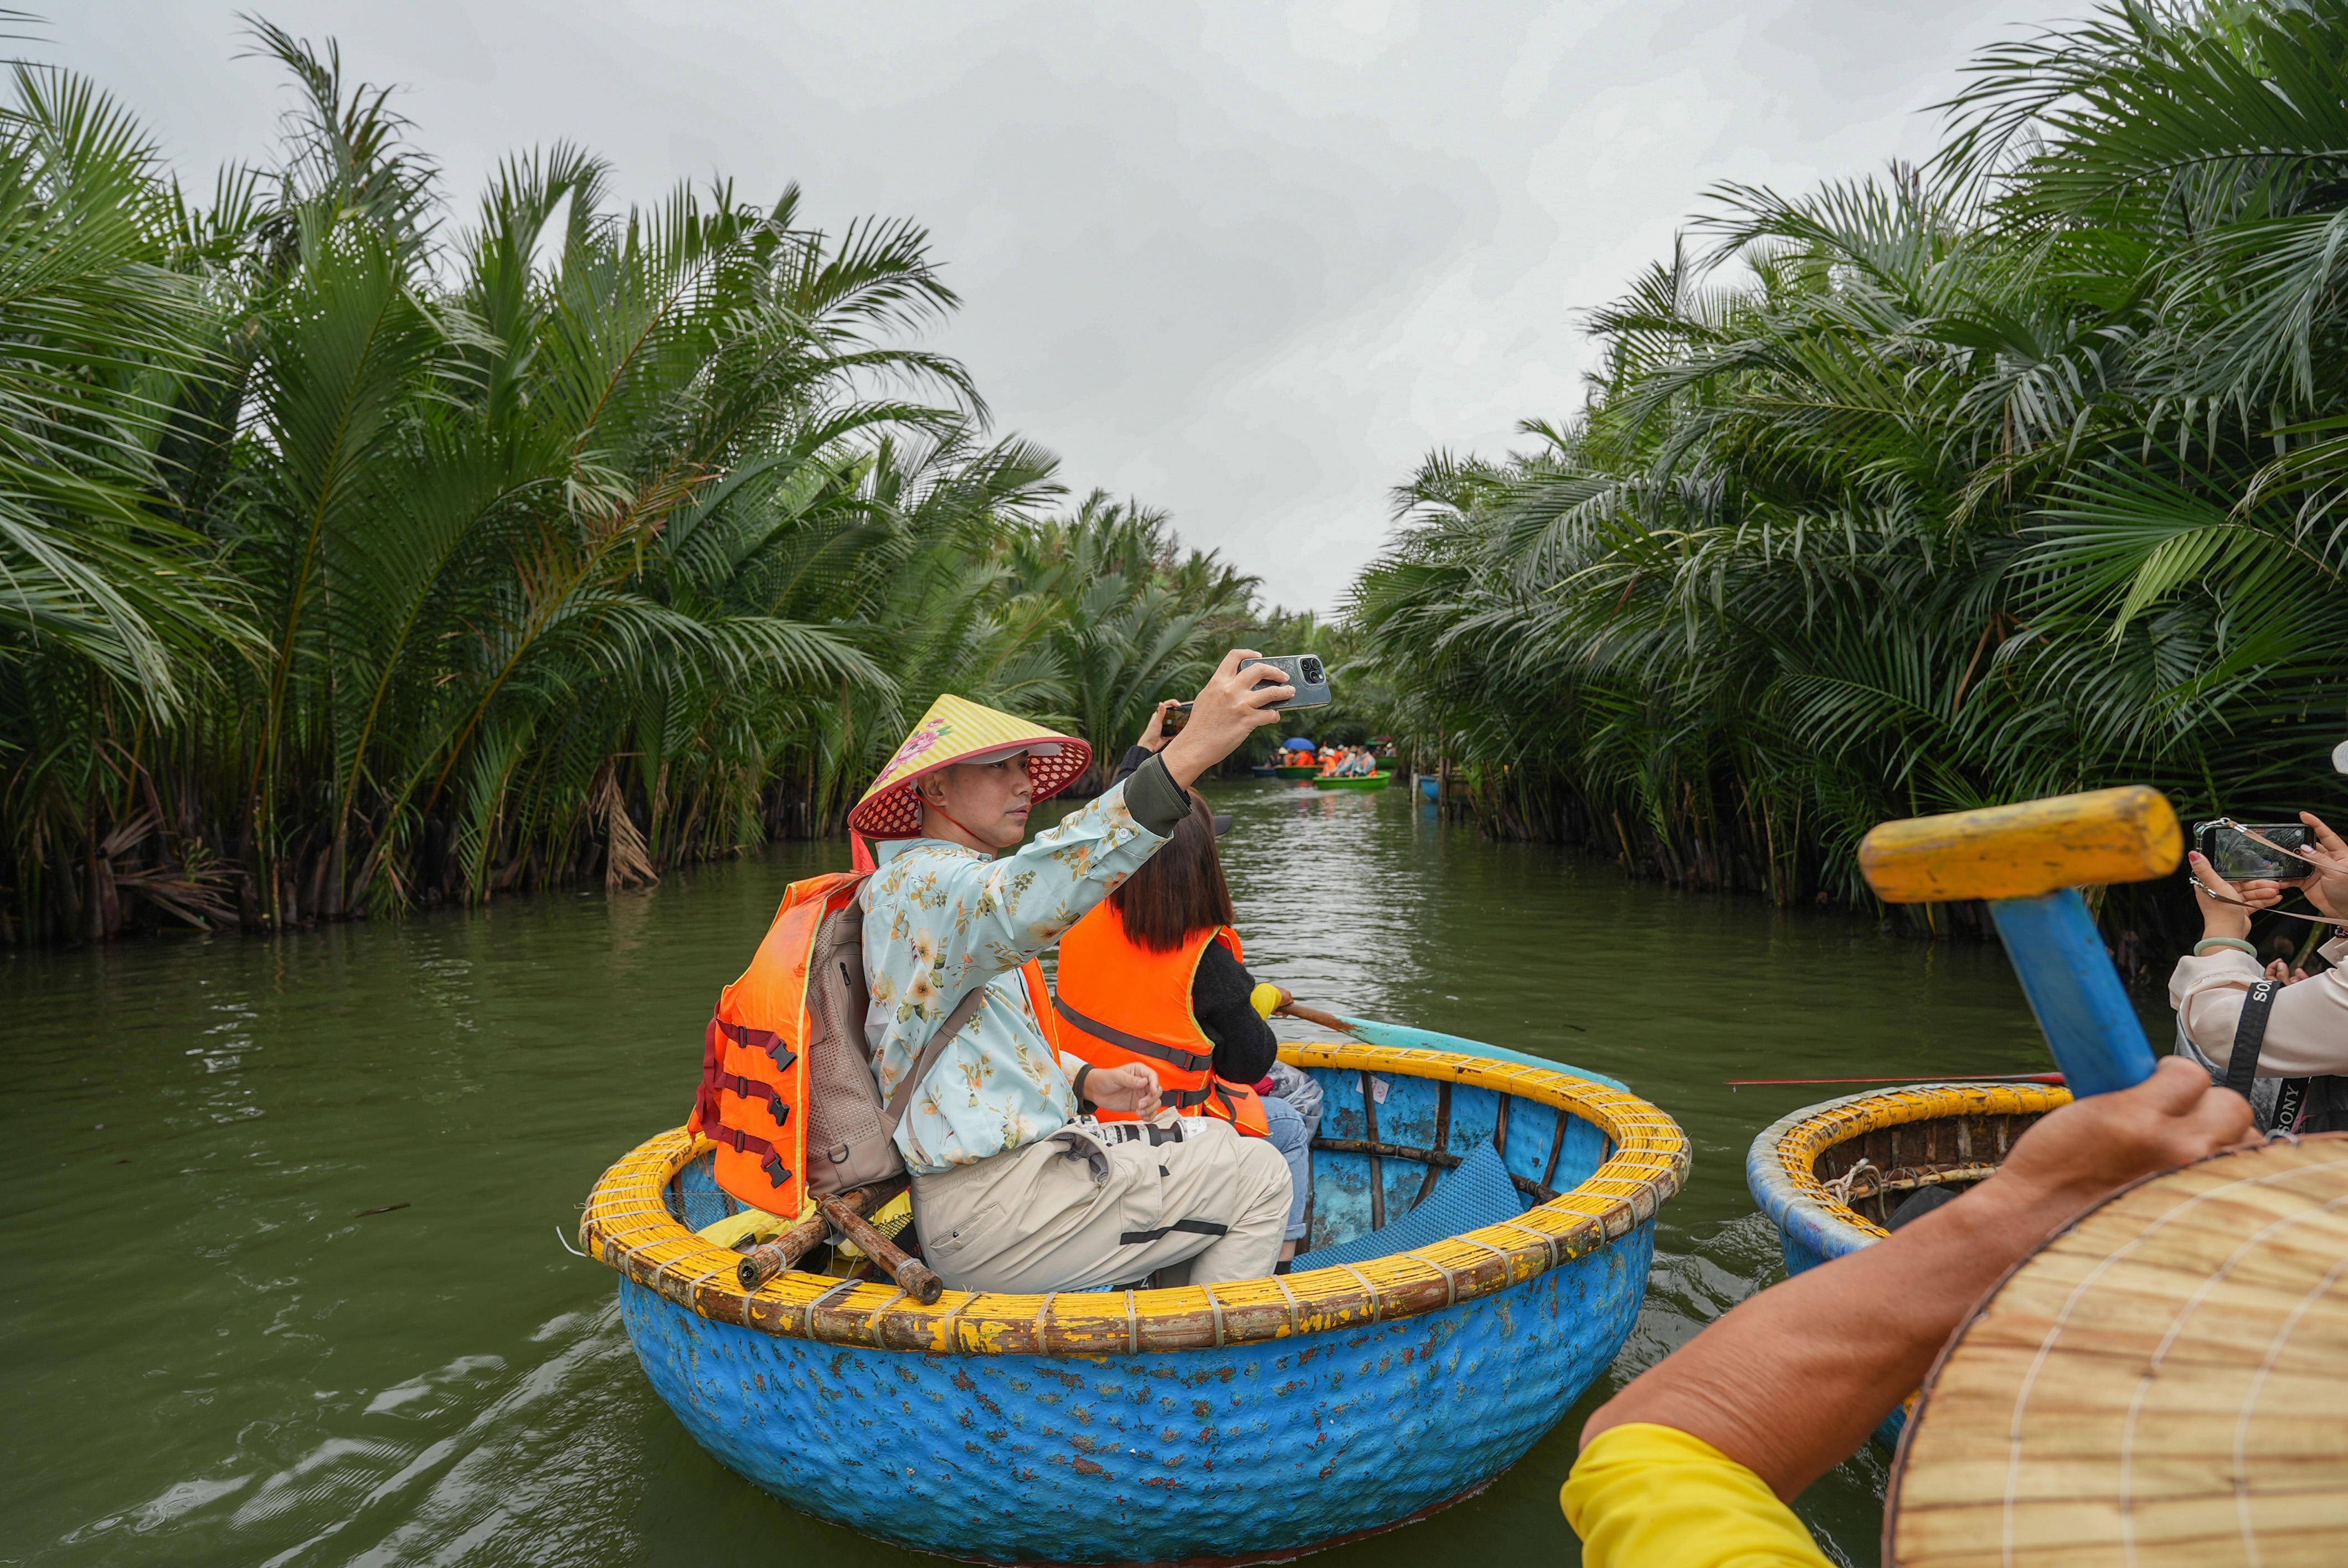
x,y
1356,781
1297,769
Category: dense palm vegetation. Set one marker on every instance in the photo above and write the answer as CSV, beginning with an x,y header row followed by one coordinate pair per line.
x,y
355,554
2017,474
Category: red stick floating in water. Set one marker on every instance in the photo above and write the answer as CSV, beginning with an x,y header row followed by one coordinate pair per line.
x,y
1929,1078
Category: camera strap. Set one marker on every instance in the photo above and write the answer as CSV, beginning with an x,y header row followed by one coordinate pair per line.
x,y
2251,1037
2216,898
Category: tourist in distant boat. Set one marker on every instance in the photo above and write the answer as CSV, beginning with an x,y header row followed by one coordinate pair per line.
x,y
2300,1082
1694,1463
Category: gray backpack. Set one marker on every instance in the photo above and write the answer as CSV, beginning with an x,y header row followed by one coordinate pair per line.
x,y
850,1132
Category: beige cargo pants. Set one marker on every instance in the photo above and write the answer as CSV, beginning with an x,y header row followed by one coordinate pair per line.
x,y
1107,1204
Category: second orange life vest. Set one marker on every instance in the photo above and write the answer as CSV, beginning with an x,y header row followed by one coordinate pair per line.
x,y
1120,1003
787,1092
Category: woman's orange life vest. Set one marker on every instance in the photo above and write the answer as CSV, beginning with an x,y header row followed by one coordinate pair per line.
x,y
755,1097
1120,1003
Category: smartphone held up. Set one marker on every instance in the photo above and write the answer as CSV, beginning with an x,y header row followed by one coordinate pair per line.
x,y
1302,670
2252,851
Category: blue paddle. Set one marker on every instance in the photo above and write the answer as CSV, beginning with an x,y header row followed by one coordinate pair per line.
x,y
2029,861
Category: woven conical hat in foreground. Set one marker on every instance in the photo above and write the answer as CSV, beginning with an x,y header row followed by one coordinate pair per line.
x,y
956,730
2162,1383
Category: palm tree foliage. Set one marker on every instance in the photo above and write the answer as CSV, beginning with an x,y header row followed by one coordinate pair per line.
x,y
2017,474
352,556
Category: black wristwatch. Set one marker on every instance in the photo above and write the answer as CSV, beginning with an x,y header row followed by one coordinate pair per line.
x,y
1078,1084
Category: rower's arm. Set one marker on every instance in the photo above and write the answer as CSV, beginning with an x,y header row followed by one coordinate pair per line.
x,y
1791,1382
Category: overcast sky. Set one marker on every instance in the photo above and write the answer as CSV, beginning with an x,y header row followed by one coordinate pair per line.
x,y
1247,263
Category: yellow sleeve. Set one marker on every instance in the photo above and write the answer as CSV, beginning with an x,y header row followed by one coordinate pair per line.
x,y
1646,1496
1264,999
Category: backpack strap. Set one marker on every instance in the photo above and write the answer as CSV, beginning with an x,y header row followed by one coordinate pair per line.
x,y
2250,1037
901,1100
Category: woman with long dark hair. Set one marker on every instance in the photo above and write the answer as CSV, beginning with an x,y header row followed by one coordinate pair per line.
x,y
1156,975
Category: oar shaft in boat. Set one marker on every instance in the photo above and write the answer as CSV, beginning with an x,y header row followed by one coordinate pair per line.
x,y
761,1263
916,1278
1314,1015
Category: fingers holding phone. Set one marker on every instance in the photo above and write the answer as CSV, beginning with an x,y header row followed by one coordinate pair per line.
x,y
1238,698
2326,885
1160,727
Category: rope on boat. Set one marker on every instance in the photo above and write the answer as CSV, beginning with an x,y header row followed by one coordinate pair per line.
x,y
1450,1280
873,1320
1377,1303
1839,1186
1507,1262
1551,1244
1295,1319
806,1313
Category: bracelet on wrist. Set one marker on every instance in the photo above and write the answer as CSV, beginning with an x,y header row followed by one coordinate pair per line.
x,y
2201,948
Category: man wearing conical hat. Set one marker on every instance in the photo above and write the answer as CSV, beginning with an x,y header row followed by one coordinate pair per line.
x,y
1014,1187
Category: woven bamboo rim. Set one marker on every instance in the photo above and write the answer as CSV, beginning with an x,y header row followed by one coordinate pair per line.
x,y
1782,1169
628,1226
2157,1385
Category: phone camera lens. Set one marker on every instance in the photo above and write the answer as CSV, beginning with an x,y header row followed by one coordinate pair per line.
x,y
1312,668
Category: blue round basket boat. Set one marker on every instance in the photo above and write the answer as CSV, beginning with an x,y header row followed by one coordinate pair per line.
x,y
1245,1421
1828,1175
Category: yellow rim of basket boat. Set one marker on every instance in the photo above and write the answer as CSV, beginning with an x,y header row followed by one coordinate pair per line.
x,y
1840,1121
628,1225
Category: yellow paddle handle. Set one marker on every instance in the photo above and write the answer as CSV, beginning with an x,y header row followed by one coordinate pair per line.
x,y
2023,851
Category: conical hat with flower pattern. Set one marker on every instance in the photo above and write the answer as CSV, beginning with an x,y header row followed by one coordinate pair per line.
x,y
955,730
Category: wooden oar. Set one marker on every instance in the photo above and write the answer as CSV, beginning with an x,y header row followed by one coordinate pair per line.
x,y
1297,1009
761,1263
2029,861
916,1278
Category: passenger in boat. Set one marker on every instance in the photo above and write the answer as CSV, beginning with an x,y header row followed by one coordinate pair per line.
x,y
1692,1466
2298,1077
1155,973
1013,1188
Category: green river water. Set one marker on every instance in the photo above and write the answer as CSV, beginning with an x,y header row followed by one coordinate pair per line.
x,y
284,1283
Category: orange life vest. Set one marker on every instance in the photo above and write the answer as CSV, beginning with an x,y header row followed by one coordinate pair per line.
x,y
755,1100
1119,1003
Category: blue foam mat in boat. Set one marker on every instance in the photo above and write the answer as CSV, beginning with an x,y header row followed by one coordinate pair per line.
x,y
1472,1195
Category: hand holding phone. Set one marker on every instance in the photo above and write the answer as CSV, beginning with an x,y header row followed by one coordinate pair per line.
x,y
2258,851
1235,701
1305,672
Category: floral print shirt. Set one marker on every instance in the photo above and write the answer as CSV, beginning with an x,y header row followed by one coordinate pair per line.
x,y
939,918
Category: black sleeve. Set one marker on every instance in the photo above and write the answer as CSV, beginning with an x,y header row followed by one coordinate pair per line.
x,y
1134,757
1245,1047
1157,802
